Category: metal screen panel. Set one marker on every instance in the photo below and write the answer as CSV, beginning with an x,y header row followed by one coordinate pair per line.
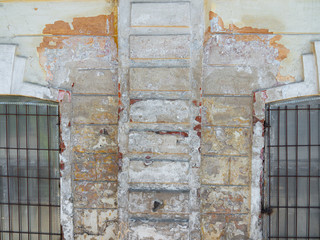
x,y
29,173
292,170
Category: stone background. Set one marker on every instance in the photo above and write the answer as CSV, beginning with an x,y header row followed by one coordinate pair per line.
x,y
159,106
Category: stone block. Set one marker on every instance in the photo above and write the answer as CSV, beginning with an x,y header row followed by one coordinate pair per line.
x,y
158,142
224,227
95,109
227,111
110,232
225,199
95,194
159,111
158,171
215,170
166,14
96,139
226,141
170,202
240,170
95,167
86,220
95,81
159,79
237,79
107,168
158,230
161,46
86,170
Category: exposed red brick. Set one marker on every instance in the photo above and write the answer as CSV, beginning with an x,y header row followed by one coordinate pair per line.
x,y
198,119
62,146
133,101
195,102
62,165
197,127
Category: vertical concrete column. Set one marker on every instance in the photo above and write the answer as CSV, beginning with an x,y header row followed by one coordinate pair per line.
x,y
123,92
160,50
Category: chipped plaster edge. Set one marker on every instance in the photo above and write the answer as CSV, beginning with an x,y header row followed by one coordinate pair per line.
x,y
306,88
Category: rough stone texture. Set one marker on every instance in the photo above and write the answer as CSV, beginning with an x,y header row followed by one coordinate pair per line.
x,y
95,110
93,221
228,111
159,111
158,171
158,142
236,80
170,202
95,194
159,79
158,230
226,141
215,170
240,171
86,81
225,199
162,14
109,232
225,227
96,139
103,167
167,47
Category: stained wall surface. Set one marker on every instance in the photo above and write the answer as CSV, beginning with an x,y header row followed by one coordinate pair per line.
x,y
156,101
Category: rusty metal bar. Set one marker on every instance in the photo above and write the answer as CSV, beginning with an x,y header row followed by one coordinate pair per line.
x,y
287,183
293,109
8,182
278,183
36,149
30,204
28,114
17,142
309,158
25,177
27,165
295,145
38,173
49,173
269,166
297,142
39,233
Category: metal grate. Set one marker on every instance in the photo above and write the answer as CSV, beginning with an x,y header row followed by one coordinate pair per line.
x,y
292,170
29,171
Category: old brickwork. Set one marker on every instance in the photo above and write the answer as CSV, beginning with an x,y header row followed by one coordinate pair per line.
x,y
162,108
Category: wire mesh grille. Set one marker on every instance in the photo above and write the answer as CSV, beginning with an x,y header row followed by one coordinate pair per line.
x,y
29,171
292,170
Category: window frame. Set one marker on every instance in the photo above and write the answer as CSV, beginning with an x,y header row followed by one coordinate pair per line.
x,y
266,209
44,115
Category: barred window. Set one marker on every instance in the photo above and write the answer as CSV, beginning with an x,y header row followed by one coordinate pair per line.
x,y
29,169
292,170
